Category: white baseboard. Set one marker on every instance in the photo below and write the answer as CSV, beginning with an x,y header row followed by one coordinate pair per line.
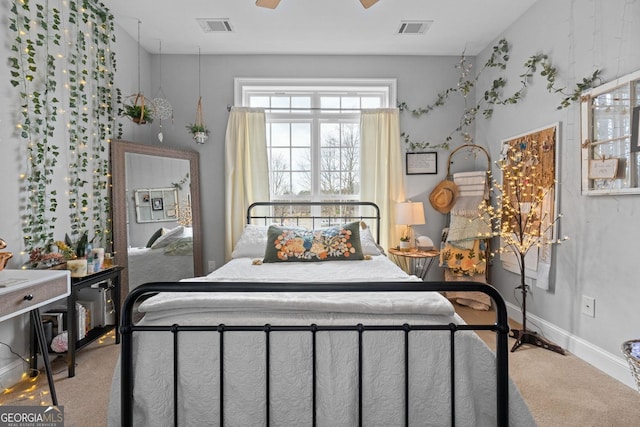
x,y
611,364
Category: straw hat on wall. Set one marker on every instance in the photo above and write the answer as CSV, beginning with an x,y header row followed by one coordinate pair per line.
x,y
443,196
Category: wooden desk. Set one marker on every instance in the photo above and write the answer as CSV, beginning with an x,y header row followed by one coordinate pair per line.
x,y
24,291
414,261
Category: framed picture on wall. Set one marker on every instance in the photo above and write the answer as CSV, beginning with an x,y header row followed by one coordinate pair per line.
x,y
422,163
156,204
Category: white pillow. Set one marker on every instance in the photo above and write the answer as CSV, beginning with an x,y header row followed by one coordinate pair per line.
x,y
168,237
368,243
252,242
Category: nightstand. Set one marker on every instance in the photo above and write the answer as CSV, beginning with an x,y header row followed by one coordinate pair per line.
x,y
413,261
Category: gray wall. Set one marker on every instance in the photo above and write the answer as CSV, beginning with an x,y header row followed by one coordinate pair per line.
x,y
600,257
419,79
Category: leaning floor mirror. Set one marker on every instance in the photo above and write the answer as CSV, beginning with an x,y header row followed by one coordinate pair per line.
x,y
156,213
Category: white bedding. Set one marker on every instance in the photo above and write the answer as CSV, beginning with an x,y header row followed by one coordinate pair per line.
x,y
155,265
290,358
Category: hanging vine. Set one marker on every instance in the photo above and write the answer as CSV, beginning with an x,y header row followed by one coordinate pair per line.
x,y
33,72
86,66
494,95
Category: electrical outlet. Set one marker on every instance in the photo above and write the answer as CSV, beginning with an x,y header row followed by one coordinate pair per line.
x,y
212,266
588,306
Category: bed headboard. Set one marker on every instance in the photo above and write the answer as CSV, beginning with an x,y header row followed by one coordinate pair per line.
x,y
315,214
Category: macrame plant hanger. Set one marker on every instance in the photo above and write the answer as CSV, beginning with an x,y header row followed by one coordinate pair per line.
x,y
199,129
162,109
139,110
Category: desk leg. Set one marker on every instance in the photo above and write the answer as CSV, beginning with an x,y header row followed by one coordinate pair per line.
x,y
36,319
72,333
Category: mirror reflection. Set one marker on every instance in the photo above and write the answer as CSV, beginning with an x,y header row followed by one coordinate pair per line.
x,y
156,213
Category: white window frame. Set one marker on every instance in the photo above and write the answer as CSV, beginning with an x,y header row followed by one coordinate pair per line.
x,y
245,87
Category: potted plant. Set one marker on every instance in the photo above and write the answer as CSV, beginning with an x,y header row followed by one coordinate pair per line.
x,y
138,113
199,131
405,242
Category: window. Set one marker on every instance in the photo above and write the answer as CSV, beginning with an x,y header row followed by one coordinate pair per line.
x,y
610,133
313,133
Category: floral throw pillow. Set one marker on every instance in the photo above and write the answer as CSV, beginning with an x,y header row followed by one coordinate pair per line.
x,y
339,243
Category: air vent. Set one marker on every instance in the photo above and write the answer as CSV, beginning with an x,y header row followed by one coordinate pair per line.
x,y
218,25
414,27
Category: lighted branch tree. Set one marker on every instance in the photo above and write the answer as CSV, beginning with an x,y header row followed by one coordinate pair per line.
x,y
521,222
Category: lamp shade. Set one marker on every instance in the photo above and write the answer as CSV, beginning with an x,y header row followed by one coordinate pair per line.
x,y
410,213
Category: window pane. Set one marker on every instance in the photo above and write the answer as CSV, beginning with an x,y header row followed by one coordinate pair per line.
x,y
350,102
280,182
280,159
350,183
301,101
329,134
330,182
280,102
280,135
301,134
330,102
300,183
259,101
370,102
301,159
330,160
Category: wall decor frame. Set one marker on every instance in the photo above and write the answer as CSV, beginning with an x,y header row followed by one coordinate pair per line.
x,y
422,163
156,204
610,137
635,129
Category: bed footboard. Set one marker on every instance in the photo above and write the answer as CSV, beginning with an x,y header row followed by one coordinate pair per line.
x,y
128,328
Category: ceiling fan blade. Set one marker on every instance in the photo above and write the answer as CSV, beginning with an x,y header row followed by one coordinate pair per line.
x,y
271,4
368,3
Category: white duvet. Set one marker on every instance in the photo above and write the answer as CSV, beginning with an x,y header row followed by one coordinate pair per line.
x,y
337,362
154,265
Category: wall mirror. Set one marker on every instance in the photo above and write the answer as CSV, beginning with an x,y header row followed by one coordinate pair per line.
x,y
156,213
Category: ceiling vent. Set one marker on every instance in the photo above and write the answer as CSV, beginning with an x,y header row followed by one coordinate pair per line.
x,y
414,27
217,25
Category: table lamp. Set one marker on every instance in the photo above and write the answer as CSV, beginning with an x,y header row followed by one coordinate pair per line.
x,y
408,214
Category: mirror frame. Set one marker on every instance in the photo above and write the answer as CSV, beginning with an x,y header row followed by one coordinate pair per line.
x,y
119,148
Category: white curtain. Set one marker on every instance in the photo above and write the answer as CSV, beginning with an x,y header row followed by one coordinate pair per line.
x,y
246,169
381,166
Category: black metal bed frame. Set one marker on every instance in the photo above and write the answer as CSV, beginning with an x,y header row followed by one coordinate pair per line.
x,y
128,328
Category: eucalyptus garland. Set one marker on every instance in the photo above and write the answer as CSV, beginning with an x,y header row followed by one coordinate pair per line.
x,y
493,96
43,55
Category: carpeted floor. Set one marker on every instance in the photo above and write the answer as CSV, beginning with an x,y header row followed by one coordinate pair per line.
x,y
564,390
561,391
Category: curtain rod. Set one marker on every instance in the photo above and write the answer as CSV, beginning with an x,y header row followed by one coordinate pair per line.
x,y
306,109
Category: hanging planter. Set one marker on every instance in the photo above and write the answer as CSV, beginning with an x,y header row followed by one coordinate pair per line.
x,y
162,108
139,111
198,129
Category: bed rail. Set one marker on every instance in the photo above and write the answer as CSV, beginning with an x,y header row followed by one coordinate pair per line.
x,y
347,211
500,327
